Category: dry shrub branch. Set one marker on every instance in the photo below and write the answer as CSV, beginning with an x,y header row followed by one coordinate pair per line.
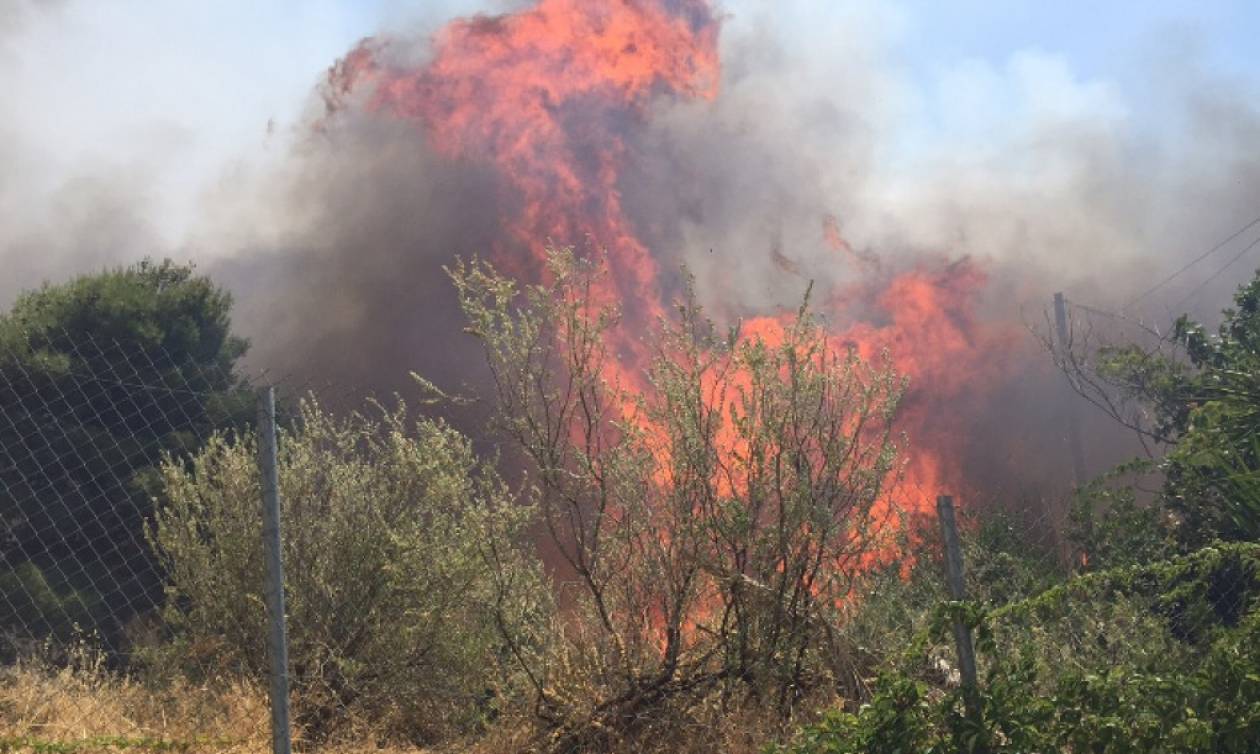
x,y
712,508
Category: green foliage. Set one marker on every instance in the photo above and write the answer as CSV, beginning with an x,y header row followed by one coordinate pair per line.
x,y
1138,660
895,720
99,377
894,608
1005,560
1204,401
404,568
164,307
1224,479
1214,469
1162,384
46,609
1110,528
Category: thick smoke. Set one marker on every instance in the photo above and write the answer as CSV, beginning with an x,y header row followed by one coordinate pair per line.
x,y
88,220
1050,181
346,284
1044,179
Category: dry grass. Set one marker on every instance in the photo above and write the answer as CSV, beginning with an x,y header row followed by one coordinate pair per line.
x,y
702,730
89,710
86,709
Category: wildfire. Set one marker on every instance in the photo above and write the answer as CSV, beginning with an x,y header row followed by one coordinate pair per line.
x,y
546,96
836,241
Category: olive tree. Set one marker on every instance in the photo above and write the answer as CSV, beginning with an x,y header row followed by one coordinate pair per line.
x,y
404,566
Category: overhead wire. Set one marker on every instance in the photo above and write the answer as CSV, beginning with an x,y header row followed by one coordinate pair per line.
x,y
1095,310
1233,260
1193,262
1120,315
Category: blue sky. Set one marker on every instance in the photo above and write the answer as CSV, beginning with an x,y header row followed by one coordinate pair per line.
x,y
1101,38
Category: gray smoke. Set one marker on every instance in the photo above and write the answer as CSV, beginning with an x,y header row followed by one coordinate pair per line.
x,y
1048,180
349,286
54,226
1042,178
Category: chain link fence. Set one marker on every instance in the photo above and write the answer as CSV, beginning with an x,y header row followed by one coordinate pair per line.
x,y
143,545
100,442
1126,644
86,430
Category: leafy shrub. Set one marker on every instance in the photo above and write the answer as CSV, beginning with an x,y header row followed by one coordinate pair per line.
x,y
400,549
99,377
1100,664
1109,527
1195,394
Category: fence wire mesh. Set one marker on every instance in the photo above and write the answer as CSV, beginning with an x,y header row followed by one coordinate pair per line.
x,y
101,443
133,572
86,428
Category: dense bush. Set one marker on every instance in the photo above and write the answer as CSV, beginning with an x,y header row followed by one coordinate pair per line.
x,y
1108,526
1144,659
401,552
1144,639
99,377
1196,395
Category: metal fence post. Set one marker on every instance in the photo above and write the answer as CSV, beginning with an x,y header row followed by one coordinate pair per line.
x,y
958,592
278,649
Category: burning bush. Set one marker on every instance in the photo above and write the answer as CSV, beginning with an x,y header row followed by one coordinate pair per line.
x,y
397,543
709,510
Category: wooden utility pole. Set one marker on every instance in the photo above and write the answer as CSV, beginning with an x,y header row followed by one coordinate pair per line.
x,y
1073,422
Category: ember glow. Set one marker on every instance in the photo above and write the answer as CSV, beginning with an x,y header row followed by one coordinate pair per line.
x,y
547,98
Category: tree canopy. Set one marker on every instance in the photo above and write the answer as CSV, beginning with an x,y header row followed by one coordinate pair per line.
x,y
1196,395
99,378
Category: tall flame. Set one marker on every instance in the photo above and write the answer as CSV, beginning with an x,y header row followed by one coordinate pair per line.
x,y
545,97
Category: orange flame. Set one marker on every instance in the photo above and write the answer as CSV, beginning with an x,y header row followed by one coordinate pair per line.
x,y
544,97
837,242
